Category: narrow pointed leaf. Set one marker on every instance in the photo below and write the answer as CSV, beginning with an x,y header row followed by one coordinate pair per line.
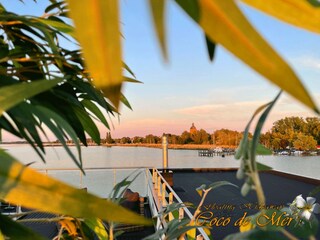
x,y
126,67
303,14
14,230
22,185
99,20
224,23
14,94
263,167
200,189
132,80
88,125
158,14
60,26
125,101
220,184
211,47
95,110
96,225
257,131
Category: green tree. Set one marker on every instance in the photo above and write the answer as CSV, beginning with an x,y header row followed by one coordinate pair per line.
x,y
200,137
313,128
305,143
186,137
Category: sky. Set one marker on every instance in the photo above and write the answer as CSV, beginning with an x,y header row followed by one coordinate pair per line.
x,y
189,88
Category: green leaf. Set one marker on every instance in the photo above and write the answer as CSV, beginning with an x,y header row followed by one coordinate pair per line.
x,y
211,47
314,192
200,189
88,125
158,8
14,230
99,19
304,230
257,131
256,234
14,94
125,101
60,26
303,14
224,24
132,80
262,150
314,3
96,225
263,167
22,185
220,184
96,111
126,67
57,125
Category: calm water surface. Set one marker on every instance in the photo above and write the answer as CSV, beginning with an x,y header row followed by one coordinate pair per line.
x,y
110,157
101,181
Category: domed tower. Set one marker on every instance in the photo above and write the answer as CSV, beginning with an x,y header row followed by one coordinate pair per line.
x,y
193,129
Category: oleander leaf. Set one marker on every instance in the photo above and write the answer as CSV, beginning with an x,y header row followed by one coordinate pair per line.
x,y
14,94
96,225
257,130
224,24
96,111
211,48
14,230
296,12
22,185
99,19
158,8
60,26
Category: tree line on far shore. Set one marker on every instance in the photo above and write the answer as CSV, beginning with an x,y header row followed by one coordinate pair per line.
x,y
290,132
219,137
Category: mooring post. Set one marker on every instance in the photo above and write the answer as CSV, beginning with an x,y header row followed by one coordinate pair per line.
x,y
164,152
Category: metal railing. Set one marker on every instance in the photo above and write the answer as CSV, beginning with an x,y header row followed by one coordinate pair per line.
x,y
99,181
152,185
160,194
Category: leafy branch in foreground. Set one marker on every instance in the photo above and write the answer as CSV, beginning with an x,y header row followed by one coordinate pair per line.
x,y
222,22
293,223
179,228
46,83
247,151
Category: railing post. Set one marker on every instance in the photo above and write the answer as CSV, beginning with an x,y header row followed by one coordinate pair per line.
x,y
165,152
164,195
159,186
170,198
154,175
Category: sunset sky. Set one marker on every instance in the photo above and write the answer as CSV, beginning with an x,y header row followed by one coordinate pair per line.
x,y
190,88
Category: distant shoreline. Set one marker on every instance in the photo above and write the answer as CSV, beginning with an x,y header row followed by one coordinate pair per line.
x,y
148,145
170,146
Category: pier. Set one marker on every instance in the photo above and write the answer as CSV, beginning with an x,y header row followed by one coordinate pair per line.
x,y
214,152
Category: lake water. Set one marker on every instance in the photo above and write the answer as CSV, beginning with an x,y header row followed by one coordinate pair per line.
x,y
117,157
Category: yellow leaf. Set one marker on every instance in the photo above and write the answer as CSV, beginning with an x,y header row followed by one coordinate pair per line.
x,y
224,23
247,226
20,184
296,12
98,32
1,236
69,226
158,12
97,226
